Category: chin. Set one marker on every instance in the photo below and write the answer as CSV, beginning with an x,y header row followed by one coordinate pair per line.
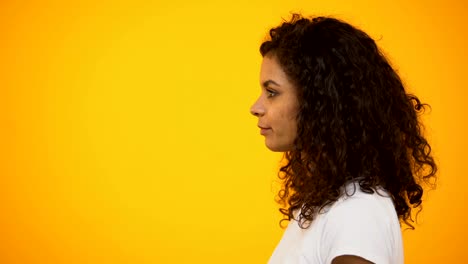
x,y
278,148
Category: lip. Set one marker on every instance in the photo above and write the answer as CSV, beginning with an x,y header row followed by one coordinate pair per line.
x,y
264,130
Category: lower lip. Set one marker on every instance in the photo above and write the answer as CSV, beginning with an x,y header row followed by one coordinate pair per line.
x,y
263,131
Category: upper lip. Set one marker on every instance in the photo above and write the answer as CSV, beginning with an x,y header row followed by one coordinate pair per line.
x,y
263,127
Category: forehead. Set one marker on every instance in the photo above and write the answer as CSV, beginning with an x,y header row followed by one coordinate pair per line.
x,y
272,70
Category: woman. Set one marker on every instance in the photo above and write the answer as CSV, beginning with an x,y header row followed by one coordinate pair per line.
x,y
356,159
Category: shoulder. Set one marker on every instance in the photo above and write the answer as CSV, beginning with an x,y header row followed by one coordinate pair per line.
x,y
364,212
364,225
358,205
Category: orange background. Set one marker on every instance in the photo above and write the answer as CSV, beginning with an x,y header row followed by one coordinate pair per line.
x,y
126,136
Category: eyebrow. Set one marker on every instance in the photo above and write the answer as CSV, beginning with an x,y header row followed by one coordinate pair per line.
x,y
268,82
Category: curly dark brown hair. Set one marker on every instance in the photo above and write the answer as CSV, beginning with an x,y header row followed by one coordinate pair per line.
x,y
356,122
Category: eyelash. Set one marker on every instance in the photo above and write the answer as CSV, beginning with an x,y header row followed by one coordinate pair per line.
x,y
271,93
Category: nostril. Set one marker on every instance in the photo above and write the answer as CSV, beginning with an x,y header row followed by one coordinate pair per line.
x,y
253,111
257,109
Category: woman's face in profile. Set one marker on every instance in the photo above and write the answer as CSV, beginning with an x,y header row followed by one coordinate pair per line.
x,y
277,107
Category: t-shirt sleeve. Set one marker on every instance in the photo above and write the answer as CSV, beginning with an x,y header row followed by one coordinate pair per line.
x,y
359,227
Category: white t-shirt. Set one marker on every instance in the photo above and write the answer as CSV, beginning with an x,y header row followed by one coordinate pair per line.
x,y
364,225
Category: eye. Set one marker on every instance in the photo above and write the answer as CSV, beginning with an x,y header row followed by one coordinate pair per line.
x,y
271,93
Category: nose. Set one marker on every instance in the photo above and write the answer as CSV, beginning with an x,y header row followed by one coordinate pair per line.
x,y
257,109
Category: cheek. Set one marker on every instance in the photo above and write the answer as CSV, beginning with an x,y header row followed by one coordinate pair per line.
x,y
292,119
288,119
293,126
291,113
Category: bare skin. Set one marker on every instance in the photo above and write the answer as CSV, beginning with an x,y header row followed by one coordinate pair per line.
x,y
277,107
349,259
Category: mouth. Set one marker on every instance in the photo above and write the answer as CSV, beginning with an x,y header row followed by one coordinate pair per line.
x,y
264,130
